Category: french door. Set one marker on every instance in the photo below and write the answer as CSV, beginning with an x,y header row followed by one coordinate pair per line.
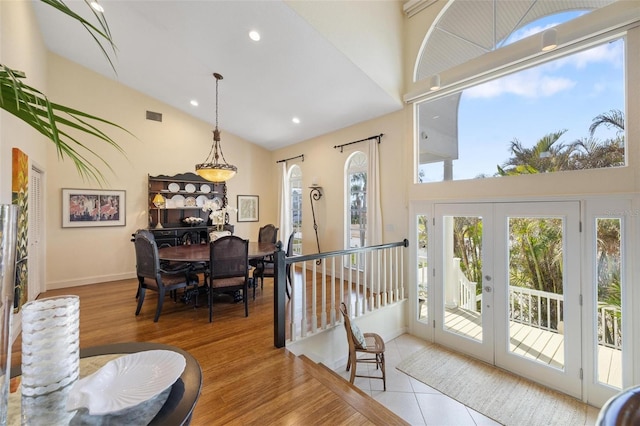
x,y
507,287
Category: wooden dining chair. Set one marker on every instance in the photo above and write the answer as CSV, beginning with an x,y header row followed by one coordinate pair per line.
x,y
266,234
266,268
229,269
363,343
151,276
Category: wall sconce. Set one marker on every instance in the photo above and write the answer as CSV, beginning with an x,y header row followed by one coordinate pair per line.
x,y
159,202
549,39
315,194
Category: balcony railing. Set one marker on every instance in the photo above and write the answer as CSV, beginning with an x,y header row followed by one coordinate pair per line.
x,y
321,281
535,308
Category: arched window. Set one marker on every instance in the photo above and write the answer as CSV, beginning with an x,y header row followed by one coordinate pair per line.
x,y
356,191
295,201
548,111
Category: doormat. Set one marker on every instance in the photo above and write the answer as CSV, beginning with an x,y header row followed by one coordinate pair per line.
x,y
496,393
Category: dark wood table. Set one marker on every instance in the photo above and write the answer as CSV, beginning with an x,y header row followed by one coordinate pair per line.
x,y
184,393
200,252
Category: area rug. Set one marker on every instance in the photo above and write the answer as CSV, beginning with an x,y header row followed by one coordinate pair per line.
x,y
500,395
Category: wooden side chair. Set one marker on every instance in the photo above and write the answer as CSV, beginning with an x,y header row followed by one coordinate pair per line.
x,y
370,344
151,276
229,269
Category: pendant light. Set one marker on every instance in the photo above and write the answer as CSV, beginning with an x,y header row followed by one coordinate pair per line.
x,y
211,169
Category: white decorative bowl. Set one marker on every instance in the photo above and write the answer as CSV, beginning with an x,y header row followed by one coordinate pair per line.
x,y
126,381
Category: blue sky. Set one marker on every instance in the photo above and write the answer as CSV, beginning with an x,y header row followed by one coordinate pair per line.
x,y
564,94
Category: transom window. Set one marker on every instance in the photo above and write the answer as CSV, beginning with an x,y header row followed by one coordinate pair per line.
x,y
563,113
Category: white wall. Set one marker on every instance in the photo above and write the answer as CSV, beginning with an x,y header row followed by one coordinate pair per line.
x,y
327,164
21,48
330,347
77,256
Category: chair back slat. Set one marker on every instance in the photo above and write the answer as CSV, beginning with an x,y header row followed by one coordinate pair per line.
x,y
347,327
228,257
268,234
147,259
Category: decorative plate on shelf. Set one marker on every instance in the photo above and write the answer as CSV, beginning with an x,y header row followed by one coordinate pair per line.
x,y
190,188
190,202
174,187
200,200
205,188
217,201
178,200
126,381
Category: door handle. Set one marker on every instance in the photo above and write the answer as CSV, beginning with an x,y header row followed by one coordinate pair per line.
x,y
487,289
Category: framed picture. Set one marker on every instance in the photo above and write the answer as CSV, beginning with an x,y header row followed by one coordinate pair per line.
x,y
83,208
248,208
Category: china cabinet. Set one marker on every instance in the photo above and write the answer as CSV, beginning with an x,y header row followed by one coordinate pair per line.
x,y
180,208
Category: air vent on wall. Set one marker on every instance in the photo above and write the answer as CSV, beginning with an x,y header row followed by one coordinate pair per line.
x,y
155,116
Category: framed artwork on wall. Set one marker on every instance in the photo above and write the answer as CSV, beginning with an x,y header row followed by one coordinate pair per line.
x,y
248,208
83,208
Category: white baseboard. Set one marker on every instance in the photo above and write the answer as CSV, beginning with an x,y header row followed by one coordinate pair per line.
x,y
54,285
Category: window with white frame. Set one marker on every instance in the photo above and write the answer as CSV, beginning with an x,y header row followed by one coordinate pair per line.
x,y
559,112
356,184
295,218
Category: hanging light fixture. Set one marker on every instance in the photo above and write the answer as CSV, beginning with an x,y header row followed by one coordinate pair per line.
x,y
211,169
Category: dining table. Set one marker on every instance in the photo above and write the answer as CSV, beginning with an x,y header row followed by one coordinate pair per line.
x,y
200,252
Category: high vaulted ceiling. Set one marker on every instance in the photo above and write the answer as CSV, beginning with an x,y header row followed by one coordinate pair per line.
x,y
342,69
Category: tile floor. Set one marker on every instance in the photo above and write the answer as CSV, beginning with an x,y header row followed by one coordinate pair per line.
x,y
416,402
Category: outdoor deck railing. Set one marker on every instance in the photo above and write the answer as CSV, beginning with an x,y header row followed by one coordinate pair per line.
x,y
375,280
535,308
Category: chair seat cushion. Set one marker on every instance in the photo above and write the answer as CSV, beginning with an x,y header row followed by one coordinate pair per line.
x,y
358,337
228,282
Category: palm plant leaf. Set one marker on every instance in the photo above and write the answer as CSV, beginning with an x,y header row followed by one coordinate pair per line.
x,y
613,118
100,33
34,108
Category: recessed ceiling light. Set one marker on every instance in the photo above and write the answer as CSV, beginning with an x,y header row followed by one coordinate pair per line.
x,y
254,35
97,7
296,120
194,102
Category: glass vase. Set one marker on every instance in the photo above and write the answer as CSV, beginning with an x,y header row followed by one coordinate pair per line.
x,y
50,358
8,235
50,344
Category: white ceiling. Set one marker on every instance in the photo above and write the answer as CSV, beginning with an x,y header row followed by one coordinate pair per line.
x,y
169,50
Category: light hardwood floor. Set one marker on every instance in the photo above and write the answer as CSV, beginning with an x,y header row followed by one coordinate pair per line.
x,y
246,380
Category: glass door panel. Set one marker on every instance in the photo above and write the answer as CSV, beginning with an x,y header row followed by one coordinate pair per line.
x,y
423,267
609,301
536,288
462,273
538,327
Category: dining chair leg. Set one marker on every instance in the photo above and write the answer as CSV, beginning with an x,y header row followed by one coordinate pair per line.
x,y
161,295
141,292
210,297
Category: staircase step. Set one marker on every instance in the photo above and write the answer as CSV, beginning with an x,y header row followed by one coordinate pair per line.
x,y
358,399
